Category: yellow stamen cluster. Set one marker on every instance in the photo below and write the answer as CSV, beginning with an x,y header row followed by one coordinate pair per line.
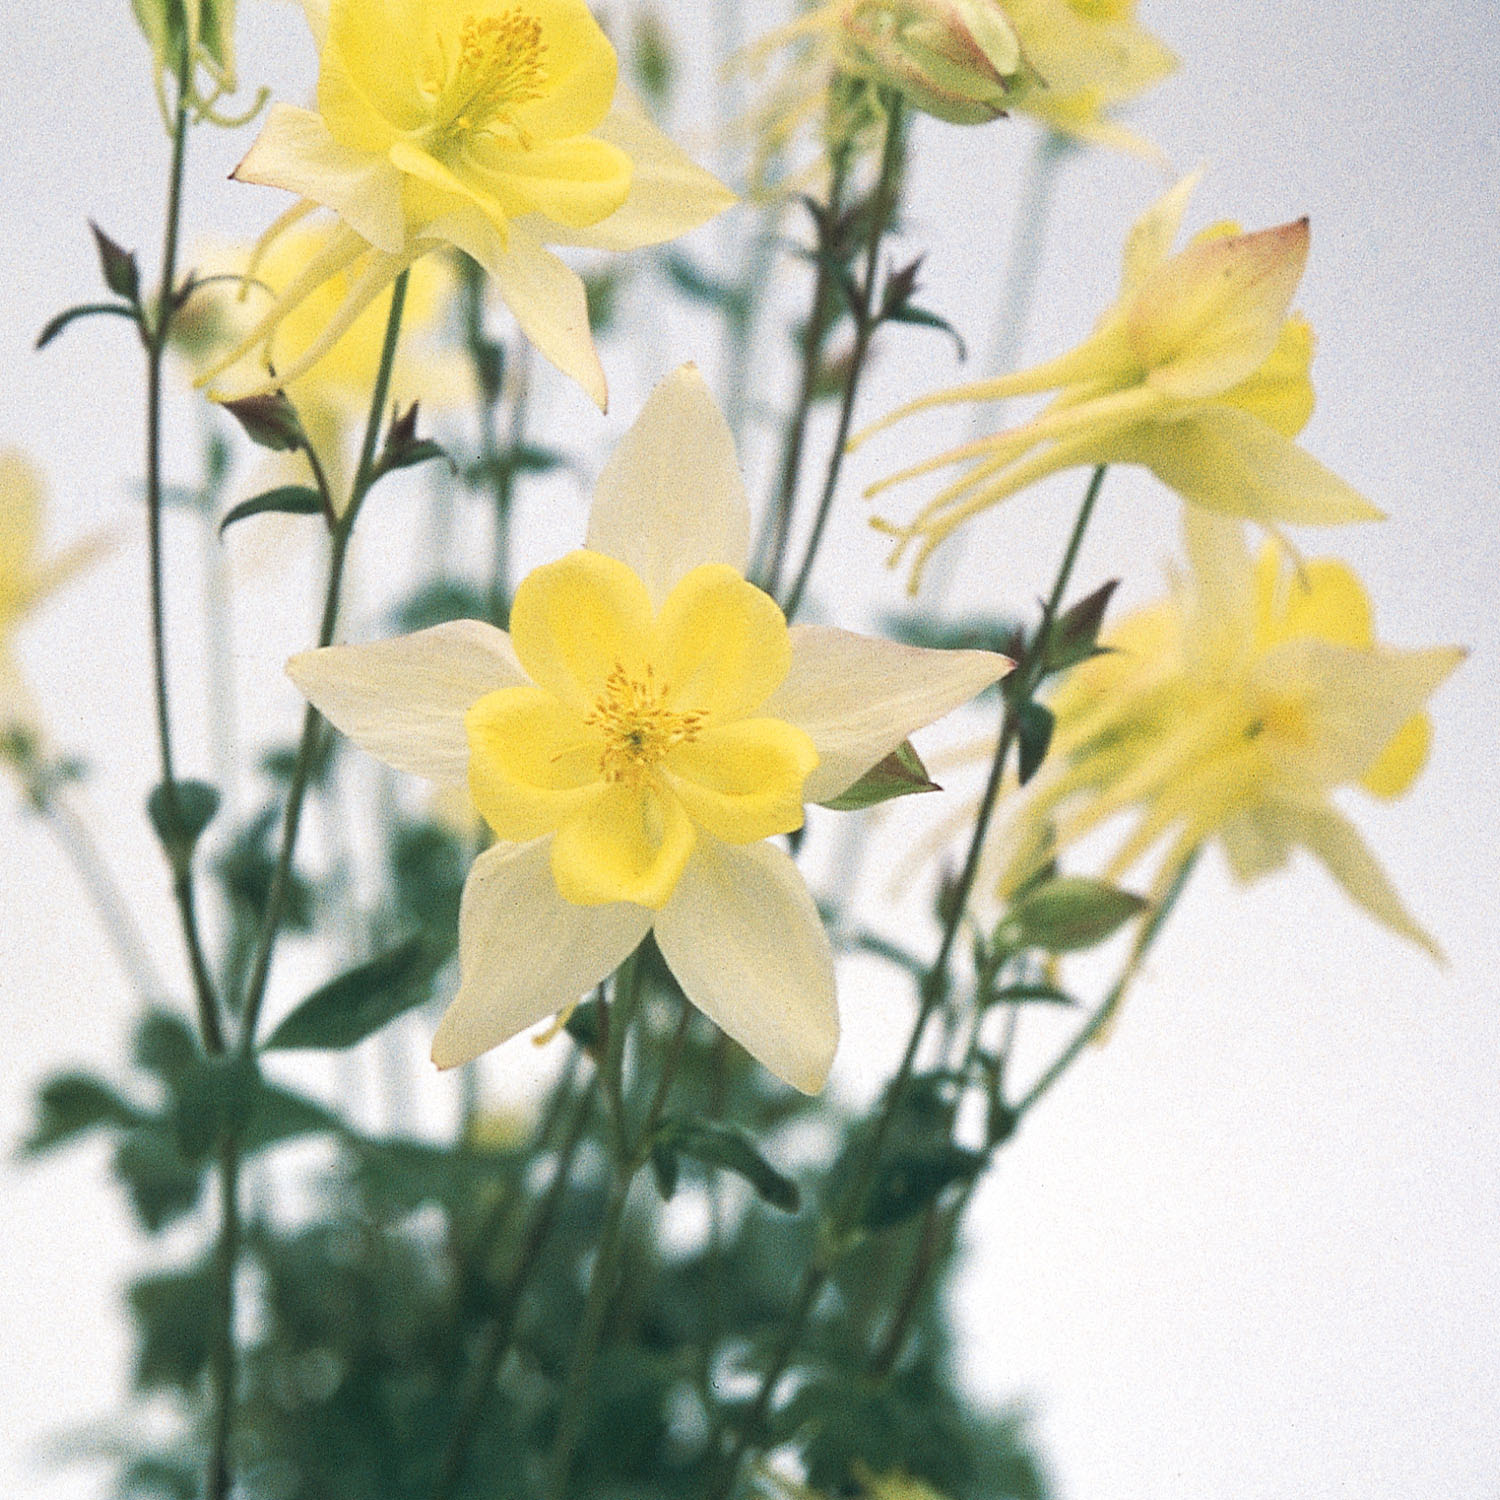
x,y
500,66
639,729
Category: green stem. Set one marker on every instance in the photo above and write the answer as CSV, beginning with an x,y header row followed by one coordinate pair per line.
x,y
933,990
604,1275
499,1335
115,917
155,334
814,335
864,330
255,990
223,1357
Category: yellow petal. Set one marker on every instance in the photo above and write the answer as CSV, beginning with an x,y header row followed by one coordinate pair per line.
x,y
1209,318
581,69
723,644
575,621
575,182
1402,759
1321,599
628,843
20,519
743,781
1280,392
532,762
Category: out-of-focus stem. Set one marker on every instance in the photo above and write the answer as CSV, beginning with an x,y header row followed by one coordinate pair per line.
x,y
884,204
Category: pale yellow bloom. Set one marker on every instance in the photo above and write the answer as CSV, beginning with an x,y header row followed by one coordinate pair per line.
x,y
1199,372
26,577
1085,57
494,127
204,31
332,397
1233,711
647,725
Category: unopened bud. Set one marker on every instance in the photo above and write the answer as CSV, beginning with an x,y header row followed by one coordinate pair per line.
x,y
950,58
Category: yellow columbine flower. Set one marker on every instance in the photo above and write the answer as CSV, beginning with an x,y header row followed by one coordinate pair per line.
x,y
25,578
334,393
1085,57
1198,372
1234,710
491,125
648,724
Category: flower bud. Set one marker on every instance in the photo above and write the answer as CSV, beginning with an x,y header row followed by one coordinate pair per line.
x,y
950,58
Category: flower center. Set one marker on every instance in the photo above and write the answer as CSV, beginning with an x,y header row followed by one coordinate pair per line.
x,y
639,729
500,66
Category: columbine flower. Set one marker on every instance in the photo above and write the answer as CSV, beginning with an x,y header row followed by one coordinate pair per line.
x,y
955,59
495,127
1197,372
1085,57
26,579
203,31
333,394
1234,710
648,724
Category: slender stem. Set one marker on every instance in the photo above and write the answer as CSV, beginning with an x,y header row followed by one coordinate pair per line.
x,y
934,987
864,330
929,1248
115,916
498,1337
224,1359
155,335
603,1277
255,990
814,335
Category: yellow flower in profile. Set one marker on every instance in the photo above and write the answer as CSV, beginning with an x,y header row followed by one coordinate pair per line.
x,y
1086,57
1199,372
647,725
494,126
333,395
26,578
1234,711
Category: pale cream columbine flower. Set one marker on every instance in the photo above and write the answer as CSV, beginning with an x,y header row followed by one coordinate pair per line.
x,y
491,125
1233,711
333,395
647,725
26,578
1199,372
1085,57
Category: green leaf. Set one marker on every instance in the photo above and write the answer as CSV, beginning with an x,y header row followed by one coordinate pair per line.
x,y
215,1098
121,274
584,1026
72,1104
175,1315
975,633
921,318
698,286
908,1182
718,1145
284,500
348,1009
1034,736
900,774
1066,915
163,1185
179,813
165,1045
664,1167
269,421
85,310
281,1115
1031,994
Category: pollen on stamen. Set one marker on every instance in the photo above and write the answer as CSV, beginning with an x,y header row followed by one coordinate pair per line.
x,y
638,728
501,66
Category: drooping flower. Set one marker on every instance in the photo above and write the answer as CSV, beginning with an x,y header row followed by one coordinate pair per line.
x,y
491,125
332,396
1084,58
1199,372
1233,711
199,33
26,578
647,726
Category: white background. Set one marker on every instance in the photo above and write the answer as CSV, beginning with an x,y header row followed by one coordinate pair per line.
x,y
1248,1250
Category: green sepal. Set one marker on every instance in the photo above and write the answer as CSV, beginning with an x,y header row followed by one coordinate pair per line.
x,y
117,265
1066,915
909,1181
1035,723
270,421
179,812
900,774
